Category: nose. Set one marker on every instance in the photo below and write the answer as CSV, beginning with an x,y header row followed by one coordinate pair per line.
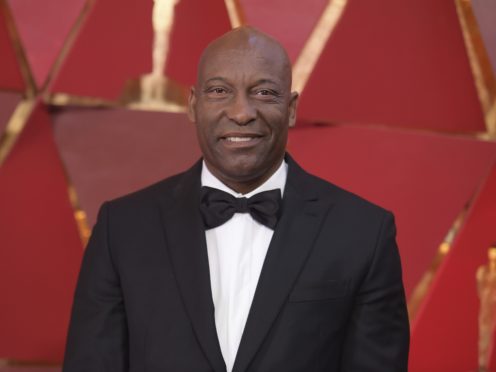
x,y
241,110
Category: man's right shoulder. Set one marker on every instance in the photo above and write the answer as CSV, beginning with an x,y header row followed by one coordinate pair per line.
x,y
148,197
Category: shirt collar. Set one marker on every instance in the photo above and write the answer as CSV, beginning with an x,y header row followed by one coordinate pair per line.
x,y
276,181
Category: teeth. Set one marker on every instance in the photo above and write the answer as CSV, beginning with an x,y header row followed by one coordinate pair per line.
x,y
239,139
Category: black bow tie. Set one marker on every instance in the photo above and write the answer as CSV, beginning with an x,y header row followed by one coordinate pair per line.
x,y
218,207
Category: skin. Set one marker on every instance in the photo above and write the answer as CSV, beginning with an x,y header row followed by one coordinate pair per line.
x,y
243,92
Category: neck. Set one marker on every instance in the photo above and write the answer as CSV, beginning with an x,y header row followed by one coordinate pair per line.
x,y
247,185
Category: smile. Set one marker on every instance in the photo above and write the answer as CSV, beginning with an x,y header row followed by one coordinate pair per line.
x,y
239,139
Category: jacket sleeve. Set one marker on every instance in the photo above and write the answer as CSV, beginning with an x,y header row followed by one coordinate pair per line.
x,y
98,338
378,334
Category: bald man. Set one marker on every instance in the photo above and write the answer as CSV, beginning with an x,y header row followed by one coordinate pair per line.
x,y
244,262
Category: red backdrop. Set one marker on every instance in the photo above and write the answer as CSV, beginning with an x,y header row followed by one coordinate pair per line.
x,y
389,67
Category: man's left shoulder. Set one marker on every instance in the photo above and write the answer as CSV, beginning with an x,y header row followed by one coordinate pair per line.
x,y
346,201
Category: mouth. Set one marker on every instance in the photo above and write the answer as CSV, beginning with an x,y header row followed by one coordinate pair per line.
x,y
241,139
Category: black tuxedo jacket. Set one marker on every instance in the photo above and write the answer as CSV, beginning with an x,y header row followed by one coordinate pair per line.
x,y
330,296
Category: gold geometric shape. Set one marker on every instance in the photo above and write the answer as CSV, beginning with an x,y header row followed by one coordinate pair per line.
x,y
154,93
166,94
480,64
66,47
30,86
315,44
309,55
79,215
424,284
235,13
14,127
486,290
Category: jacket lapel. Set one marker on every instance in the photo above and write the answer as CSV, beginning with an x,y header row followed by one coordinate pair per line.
x,y
294,236
186,244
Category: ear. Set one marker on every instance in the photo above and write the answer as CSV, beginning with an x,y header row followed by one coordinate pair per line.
x,y
293,104
191,105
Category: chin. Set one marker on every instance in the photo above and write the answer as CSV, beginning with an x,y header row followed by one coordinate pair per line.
x,y
241,174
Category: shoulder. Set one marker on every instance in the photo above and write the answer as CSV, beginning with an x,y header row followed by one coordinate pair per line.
x,y
348,204
151,193
345,198
148,198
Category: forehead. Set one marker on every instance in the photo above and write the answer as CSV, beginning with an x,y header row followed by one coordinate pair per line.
x,y
248,61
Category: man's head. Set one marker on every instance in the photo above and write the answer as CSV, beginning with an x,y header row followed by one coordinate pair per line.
x,y
242,106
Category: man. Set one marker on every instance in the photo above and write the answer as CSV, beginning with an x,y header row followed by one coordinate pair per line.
x,y
210,270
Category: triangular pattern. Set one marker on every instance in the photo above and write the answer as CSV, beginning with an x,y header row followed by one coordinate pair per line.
x,y
402,64
399,64
8,103
112,152
40,247
425,179
10,73
444,337
43,30
275,18
484,12
107,55
196,23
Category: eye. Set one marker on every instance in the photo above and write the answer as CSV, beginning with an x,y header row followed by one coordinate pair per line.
x,y
216,91
265,92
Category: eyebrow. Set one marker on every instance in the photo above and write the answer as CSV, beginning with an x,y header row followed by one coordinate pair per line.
x,y
264,81
258,82
215,78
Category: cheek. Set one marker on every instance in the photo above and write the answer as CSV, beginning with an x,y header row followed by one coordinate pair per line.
x,y
207,127
202,137
279,131
276,117
205,131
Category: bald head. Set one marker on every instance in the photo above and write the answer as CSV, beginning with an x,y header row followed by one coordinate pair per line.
x,y
242,40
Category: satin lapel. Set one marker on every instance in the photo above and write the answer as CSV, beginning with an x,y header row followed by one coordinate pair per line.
x,y
186,244
293,239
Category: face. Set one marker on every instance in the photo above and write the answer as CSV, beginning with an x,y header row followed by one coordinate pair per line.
x,y
242,107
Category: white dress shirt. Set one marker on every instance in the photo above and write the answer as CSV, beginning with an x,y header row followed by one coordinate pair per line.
x,y
236,252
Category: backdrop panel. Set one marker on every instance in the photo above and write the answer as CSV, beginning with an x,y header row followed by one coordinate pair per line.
x,y
109,153
289,21
485,12
399,63
10,74
425,179
115,45
43,27
8,103
196,23
445,335
40,247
